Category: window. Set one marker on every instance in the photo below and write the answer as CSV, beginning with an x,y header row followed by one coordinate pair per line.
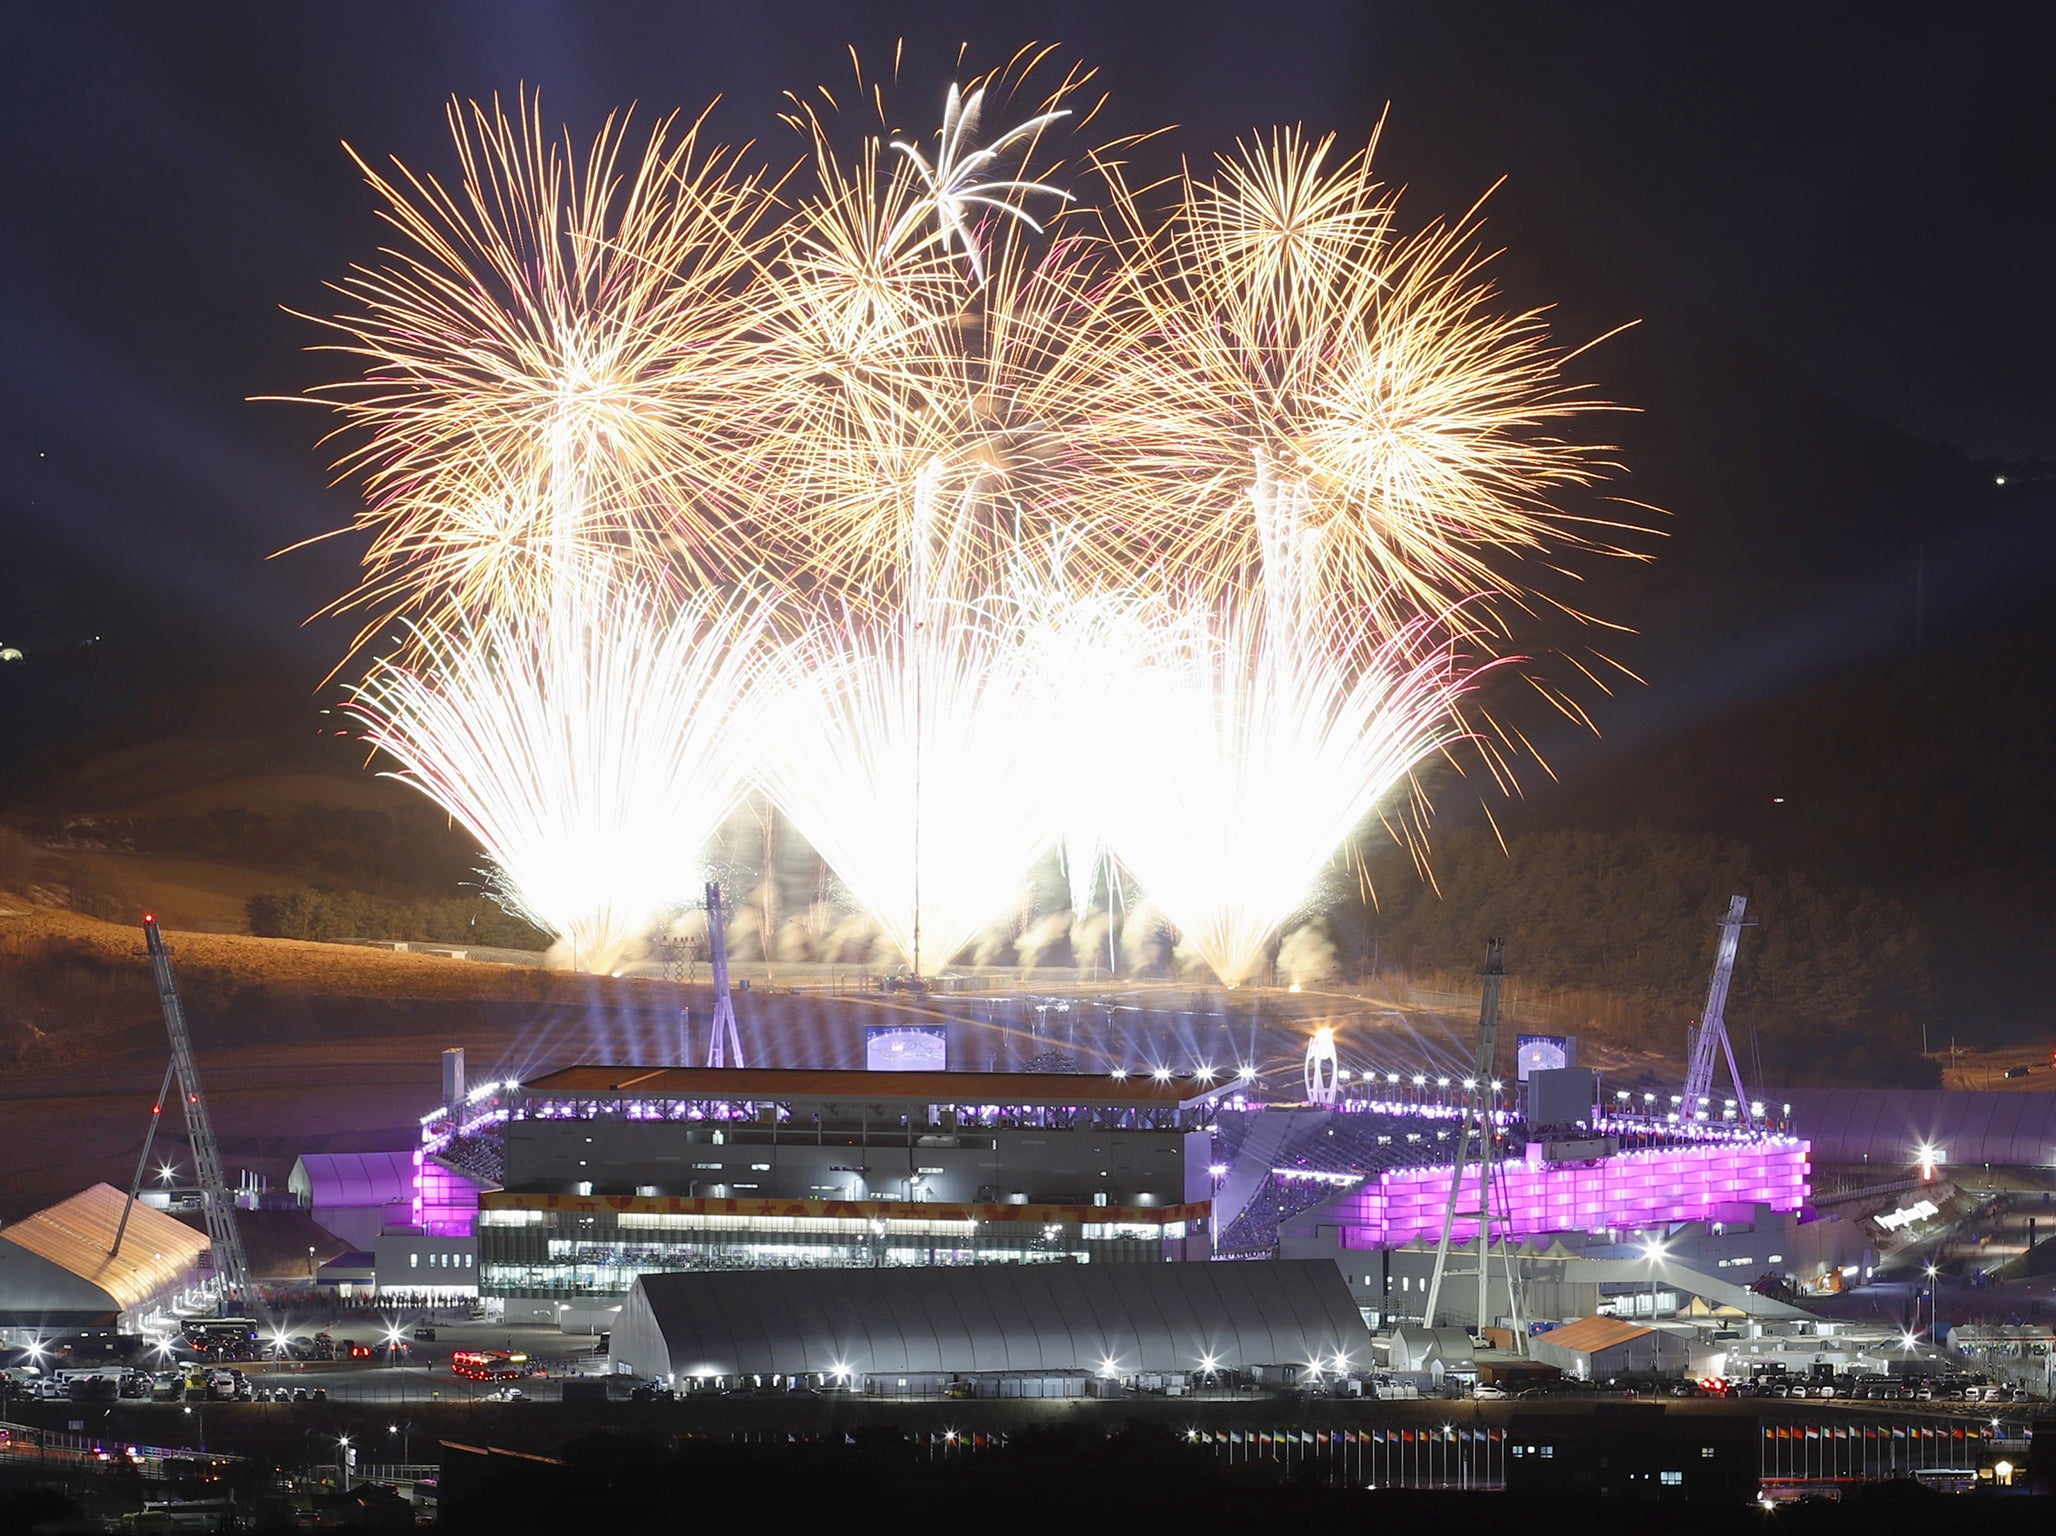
x,y
1706,1453
1671,1479
717,1167
414,1261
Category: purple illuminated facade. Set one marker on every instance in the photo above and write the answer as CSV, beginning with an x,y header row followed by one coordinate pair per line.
x,y
445,1202
1630,1191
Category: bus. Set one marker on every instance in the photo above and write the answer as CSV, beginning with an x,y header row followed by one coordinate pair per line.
x,y
491,1364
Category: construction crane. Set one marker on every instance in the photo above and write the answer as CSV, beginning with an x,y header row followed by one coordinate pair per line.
x,y
724,1039
1713,1028
1477,1121
231,1264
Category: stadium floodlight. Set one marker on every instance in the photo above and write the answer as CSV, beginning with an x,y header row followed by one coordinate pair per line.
x,y
1248,1074
1470,1083
1206,1362
1109,1367
1162,1074
1205,1073
1391,1077
1120,1074
1622,1095
1420,1081
1441,1082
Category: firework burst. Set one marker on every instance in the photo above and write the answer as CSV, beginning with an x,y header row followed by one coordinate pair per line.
x,y
591,749
1277,327
1242,483
576,326
1268,742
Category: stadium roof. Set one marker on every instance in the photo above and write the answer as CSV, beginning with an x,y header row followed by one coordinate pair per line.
x,y
352,1179
773,1084
158,1252
991,1317
1888,1126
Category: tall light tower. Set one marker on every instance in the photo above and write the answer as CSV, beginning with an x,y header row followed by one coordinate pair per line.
x,y
1477,1121
1713,1028
723,1039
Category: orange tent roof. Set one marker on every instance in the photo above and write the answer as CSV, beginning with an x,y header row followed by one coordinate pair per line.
x,y
1595,1333
76,1234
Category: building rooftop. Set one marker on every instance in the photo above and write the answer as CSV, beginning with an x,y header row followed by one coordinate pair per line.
x,y
1591,1333
780,1085
157,1250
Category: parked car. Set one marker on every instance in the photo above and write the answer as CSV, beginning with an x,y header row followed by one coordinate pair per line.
x,y
506,1395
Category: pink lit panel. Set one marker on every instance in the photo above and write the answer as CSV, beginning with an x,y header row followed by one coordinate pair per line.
x,y
445,1204
1631,1190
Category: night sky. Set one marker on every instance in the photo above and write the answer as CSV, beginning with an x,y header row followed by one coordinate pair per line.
x,y
1834,224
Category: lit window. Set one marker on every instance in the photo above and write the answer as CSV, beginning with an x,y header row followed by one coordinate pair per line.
x,y
1672,1479
414,1261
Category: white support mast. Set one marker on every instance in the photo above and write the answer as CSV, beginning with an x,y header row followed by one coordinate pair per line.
x,y
1713,1029
1477,1121
723,1040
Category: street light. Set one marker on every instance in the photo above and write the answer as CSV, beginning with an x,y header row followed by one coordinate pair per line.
x,y
1654,1250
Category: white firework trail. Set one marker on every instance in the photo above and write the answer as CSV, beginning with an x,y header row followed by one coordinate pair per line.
x,y
591,751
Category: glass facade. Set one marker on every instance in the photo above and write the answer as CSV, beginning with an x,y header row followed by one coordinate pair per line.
x,y
576,1253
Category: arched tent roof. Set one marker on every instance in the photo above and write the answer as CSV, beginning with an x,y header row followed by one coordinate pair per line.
x,y
352,1179
993,1317
1888,1126
73,1269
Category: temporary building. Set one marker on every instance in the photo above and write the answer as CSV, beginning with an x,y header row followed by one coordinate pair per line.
x,y
356,1195
58,1268
1599,1347
1112,1319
